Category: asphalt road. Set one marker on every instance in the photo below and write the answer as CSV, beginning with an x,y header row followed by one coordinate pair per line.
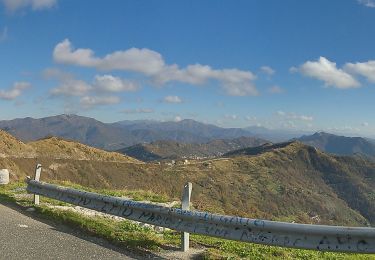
x,y
24,237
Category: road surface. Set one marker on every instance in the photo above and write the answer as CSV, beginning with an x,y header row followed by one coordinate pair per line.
x,y
24,237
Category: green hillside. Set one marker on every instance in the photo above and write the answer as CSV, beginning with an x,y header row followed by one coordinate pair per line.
x,y
291,182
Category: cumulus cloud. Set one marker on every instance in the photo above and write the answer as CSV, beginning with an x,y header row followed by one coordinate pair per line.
x,y
275,90
281,113
35,5
4,34
177,119
294,116
70,86
15,91
244,88
267,70
231,117
92,101
138,111
109,83
367,3
251,118
151,64
365,69
172,99
54,73
327,71
97,93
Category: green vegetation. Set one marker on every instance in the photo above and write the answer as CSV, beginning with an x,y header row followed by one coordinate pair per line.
x,y
287,182
137,195
143,240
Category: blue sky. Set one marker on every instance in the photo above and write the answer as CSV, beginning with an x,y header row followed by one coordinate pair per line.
x,y
307,65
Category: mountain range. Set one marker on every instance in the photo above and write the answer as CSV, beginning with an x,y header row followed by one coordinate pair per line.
x,y
149,139
114,136
286,181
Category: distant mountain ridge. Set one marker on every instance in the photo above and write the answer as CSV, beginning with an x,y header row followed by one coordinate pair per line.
x,y
82,129
173,150
340,145
122,134
114,136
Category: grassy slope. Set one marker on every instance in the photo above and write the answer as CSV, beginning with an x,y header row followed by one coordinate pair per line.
x,y
10,146
59,148
142,240
291,183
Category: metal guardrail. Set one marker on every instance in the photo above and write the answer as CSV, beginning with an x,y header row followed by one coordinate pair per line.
x,y
304,236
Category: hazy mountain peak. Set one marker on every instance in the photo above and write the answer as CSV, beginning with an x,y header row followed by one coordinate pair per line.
x,y
340,145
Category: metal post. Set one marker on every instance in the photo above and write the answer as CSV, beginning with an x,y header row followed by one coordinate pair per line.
x,y
38,170
185,205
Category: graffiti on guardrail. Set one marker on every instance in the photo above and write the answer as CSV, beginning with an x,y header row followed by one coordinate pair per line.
x,y
317,237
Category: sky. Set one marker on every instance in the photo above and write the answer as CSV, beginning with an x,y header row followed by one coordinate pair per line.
x,y
292,64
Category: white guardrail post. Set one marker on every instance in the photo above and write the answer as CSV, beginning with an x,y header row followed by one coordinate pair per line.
x,y
38,170
304,236
185,205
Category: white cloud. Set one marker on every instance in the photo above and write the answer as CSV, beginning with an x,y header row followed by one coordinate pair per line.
x,y
177,119
109,83
138,111
15,91
15,5
294,116
368,3
244,88
325,70
305,118
231,117
365,124
275,90
4,34
251,118
267,70
92,101
151,64
172,99
281,113
366,69
68,85
293,69
289,124
71,87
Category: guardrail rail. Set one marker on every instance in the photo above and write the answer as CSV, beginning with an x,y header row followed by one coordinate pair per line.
x,y
304,236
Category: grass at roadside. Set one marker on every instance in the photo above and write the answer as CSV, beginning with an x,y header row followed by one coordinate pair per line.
x,y
142,239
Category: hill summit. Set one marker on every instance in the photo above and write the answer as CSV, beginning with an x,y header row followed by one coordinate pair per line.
x,y
10,146
56,148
